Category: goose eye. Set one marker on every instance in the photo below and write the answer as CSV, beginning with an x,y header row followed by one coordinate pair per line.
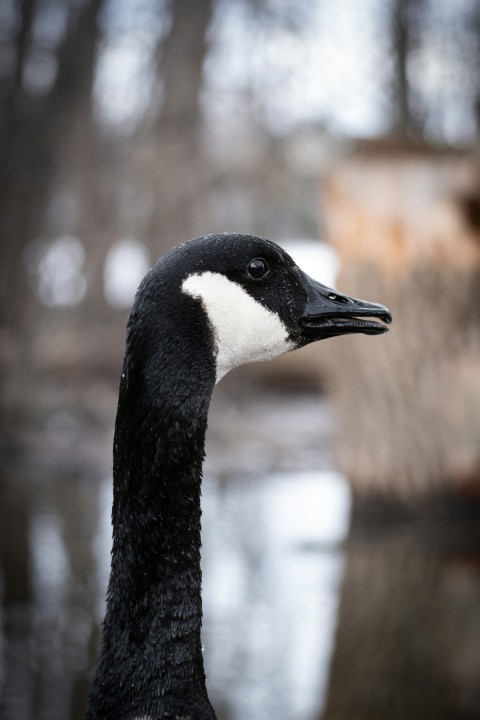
x,y
257,268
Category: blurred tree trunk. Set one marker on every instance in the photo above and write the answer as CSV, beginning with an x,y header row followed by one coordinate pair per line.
x,y
403,28
33,131
178,174
183,57
82,156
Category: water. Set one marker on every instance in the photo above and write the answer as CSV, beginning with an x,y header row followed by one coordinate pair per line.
x,y
299,624
273,567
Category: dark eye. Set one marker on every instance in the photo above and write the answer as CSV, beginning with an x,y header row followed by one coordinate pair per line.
x,y
257,268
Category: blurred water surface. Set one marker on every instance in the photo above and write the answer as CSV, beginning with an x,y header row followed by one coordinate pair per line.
x,y
298,623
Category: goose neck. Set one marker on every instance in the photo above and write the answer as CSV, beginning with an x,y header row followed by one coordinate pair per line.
x,y
152,645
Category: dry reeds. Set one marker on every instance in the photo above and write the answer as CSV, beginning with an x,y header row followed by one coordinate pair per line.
x,y
409,402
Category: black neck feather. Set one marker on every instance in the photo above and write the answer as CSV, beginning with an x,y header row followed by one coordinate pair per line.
x,y
151,663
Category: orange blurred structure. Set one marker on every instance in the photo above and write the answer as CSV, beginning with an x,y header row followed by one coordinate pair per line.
x,y
396,206
406,225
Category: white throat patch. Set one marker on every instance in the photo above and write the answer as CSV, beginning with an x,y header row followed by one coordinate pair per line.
x,y
244,329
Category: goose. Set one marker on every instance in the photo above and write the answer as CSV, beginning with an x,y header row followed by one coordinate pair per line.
x,y
209,305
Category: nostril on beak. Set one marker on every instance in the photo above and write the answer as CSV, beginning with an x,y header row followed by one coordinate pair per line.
x,y
338,298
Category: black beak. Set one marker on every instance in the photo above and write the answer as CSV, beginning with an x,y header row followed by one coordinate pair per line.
x,y
329,313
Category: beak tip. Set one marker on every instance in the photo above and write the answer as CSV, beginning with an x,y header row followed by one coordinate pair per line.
x,y
388,316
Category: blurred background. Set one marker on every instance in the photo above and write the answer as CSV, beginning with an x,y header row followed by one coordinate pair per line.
x,y
341,502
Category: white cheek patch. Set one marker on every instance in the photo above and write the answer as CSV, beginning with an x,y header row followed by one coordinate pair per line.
x,y
244,329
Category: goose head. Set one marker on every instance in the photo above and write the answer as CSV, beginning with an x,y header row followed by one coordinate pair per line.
x,y
258,303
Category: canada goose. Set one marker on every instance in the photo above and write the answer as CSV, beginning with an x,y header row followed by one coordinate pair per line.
x,y
207,306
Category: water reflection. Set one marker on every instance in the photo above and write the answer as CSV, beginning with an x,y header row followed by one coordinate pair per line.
x,y
272,570
299,624
408,640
